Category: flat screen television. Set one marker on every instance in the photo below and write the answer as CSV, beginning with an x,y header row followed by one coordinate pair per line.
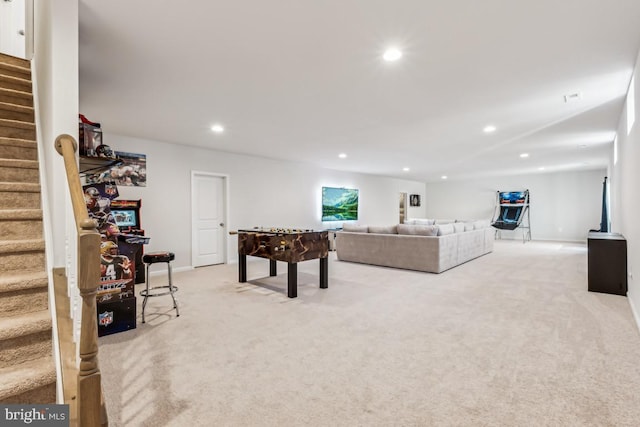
x,y
339,204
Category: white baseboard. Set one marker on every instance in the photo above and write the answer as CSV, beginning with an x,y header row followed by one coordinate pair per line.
x,y
163,271
636,315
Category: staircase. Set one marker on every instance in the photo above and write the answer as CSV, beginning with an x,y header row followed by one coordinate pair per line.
x,y
27,370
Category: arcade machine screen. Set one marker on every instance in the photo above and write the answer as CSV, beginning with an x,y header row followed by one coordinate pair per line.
x,y
512,197
126,214
125,218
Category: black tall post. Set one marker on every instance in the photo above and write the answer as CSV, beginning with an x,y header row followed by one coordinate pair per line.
x,y
242,268
604,221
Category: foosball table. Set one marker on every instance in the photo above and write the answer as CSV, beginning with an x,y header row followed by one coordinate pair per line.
x,y
289,245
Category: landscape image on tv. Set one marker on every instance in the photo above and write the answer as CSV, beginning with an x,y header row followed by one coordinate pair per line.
x,y
339,204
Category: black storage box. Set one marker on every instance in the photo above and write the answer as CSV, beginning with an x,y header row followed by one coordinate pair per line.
x,y
116,316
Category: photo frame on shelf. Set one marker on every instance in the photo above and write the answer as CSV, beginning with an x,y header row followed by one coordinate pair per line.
x,y
90,137
414,200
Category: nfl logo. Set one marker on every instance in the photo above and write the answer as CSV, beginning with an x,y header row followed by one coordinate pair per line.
x,y
106,318
110,190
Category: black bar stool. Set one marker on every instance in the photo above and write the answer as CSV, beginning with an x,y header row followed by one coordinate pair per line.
x,y
156,291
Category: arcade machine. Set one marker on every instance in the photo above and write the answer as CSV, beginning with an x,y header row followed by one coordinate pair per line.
x,y
127,217
116,301
512,209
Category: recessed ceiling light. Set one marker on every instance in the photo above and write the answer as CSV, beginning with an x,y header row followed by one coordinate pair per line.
x,y
406,169
524,155
444,177
392,54
217,128
342,155
541,168
570,97
489,129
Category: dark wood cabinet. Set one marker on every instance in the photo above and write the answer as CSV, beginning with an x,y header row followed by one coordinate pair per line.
x,y
607,263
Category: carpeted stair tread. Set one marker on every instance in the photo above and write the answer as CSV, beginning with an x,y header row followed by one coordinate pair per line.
x,y
17,142
19,379
12,93
16,214
11,111
20,187
24,324
28,245
12,148
17,124
18,163
15,107
17,129
10,61
27,369
20,281
14,82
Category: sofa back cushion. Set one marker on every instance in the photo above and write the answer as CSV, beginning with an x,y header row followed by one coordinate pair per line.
x,y
354,228
390,229
444,229
468,226
481,223
418,230
458,227
444,221
419,221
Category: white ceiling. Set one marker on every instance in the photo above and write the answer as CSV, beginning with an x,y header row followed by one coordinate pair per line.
x,y
303,80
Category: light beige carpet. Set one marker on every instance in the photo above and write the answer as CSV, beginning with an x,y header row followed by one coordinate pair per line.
x,y
510,339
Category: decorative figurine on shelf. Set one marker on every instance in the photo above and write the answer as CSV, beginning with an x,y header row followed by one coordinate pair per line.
x,y
90,136
103,150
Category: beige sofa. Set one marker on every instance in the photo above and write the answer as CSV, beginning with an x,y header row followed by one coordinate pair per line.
x,y
432,248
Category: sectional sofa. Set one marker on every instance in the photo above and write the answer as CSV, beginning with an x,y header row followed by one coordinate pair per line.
x,y
425,245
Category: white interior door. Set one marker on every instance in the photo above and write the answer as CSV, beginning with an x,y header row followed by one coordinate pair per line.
x,y
12,27
208,219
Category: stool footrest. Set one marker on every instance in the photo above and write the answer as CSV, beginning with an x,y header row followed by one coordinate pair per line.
x,y
156,291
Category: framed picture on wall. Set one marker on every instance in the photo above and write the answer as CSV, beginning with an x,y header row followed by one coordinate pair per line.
x,y
414,200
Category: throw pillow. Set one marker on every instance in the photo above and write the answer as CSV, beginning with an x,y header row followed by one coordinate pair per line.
x,y
444,221
418,230
424,221
445,229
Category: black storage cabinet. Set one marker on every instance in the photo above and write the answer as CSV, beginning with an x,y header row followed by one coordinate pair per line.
x,y
607,263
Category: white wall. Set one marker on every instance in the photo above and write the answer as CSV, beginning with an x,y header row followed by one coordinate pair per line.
x,y
56,60
564,206
625,195
262,192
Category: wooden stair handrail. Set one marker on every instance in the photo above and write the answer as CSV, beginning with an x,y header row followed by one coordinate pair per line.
x,y
66,146
89,387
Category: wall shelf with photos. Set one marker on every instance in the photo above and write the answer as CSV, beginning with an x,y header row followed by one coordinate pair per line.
x,y
93,164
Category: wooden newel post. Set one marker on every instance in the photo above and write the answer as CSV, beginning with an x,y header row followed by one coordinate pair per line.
x,y
89,381
89,392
